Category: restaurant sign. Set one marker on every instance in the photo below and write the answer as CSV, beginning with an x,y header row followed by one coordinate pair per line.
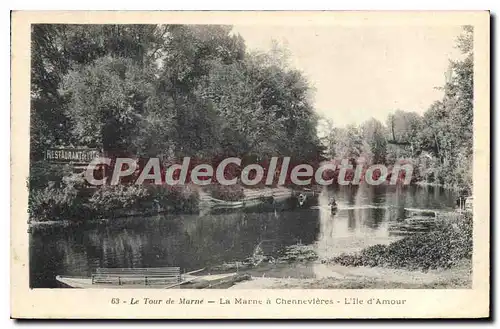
x,y
71,155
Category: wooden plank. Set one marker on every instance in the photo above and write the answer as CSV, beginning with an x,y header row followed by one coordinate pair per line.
x,y
133,276
136,275
140,273
142,280
137,270
129,275
151,269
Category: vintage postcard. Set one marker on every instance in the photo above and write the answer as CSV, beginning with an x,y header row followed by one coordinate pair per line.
x,y
266,165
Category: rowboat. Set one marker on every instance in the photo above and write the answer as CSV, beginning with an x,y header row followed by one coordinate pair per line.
x,y
148,278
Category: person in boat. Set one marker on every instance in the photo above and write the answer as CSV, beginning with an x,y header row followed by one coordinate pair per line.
x,y
302,199
332,203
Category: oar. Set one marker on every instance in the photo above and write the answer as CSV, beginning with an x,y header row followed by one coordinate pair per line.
x,y
179,283
186,281
195,271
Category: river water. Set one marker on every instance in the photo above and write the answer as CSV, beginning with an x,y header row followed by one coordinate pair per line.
x,y
197,241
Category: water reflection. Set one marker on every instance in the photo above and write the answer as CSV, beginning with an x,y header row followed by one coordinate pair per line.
x,y
191,242
194,242
352,226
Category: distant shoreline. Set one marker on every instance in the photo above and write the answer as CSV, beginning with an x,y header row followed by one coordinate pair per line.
x,y
447,187
250,195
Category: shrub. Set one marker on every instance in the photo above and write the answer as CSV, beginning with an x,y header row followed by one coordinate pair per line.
x,y
42,173
226,193
111,198
182,198
72,201
118,199
445,246
56,203
299,253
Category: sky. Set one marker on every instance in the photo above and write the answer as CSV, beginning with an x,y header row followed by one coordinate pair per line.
x,y
364,72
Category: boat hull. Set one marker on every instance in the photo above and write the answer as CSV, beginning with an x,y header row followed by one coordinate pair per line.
x,y
188,282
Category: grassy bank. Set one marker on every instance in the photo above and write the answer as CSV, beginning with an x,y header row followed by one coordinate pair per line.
x,y
71,201
444,247
455,278
441,258
447,245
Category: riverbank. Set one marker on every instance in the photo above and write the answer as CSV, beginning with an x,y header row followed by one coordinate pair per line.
x,y
204,202
446,245
73,201
345,277
444,186
125,220
441,258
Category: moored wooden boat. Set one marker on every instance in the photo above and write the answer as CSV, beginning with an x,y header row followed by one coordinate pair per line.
x,y
155,278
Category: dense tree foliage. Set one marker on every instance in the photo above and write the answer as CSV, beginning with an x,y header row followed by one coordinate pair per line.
x,y
438,143
177,90
169,90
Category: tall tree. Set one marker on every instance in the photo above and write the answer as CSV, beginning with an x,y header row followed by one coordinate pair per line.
x,y
374,134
